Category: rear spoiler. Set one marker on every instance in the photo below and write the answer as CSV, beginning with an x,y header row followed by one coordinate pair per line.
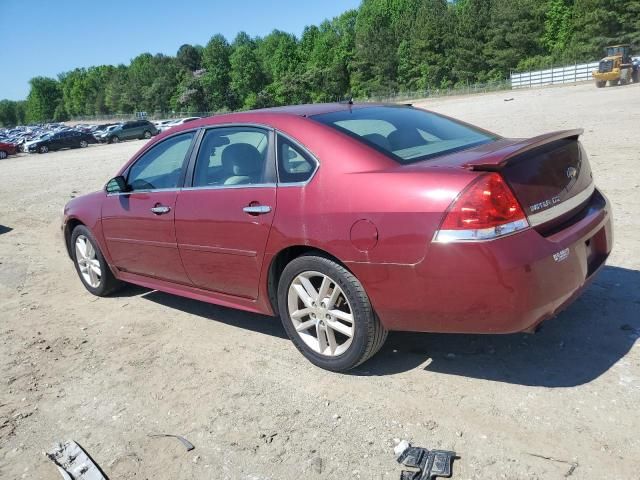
x,y
497,159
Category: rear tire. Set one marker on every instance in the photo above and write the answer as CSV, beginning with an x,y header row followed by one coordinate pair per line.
x,y
115,139
343,297
3,154
600,83
83,144
86,264
614,83
147,134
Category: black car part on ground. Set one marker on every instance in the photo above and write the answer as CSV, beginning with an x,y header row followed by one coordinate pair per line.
x,y
430,463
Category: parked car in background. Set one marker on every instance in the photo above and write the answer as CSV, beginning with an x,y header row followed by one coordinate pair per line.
x,y
60,140
103,134
179,121
387,217
136,129
7,149
161,124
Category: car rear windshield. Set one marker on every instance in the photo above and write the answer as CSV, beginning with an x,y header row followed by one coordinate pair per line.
x,y
406,134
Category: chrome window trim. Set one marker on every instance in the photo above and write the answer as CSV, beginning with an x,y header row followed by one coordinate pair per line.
x,y
562,208
226,187
133,192
297,144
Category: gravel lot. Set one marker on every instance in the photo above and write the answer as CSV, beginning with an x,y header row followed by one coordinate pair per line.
x,y
109,372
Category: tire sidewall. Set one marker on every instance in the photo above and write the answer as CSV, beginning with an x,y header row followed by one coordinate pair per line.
x,y
360,308
3,154
104,268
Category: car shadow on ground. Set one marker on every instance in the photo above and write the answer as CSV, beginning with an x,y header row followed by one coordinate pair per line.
x,y
236,318
5,229
575,348
572,349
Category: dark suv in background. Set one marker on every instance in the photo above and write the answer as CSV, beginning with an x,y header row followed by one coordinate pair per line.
x,y
130,130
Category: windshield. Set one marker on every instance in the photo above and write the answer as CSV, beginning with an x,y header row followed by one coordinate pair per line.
x,y
405,134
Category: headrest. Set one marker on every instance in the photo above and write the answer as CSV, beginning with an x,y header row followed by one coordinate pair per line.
x,y
241,159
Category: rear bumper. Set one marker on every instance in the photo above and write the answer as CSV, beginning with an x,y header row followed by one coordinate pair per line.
x,y
502,286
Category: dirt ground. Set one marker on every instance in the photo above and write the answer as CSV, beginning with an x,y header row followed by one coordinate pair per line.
x,y
110,372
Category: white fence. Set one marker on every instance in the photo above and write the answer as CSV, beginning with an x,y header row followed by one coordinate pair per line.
x,y
568,74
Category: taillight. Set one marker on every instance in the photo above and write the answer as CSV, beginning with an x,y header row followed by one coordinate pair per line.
x,y
485,210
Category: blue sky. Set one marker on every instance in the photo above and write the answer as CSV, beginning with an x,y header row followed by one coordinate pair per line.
x,y
46,37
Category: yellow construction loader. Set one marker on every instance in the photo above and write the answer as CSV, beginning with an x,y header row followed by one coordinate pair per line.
x,y
617,67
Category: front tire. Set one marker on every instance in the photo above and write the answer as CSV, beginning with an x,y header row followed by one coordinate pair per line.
x,y
327,314
600,83
94,273
84,144
114,140
43,149
3,154
147,135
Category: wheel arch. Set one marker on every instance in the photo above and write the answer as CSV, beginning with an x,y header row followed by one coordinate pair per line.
x,y
282,259
71,224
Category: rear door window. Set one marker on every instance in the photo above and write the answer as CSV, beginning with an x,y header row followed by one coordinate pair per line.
x,y
232,156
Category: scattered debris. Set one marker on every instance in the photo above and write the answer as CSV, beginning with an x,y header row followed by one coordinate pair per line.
x,y
74,463
268,438
572,465
187,444
430,463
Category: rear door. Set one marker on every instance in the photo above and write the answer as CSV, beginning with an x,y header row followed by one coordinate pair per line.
x,y
223,219
139,225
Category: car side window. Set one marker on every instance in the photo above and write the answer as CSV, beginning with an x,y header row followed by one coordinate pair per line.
x,y
232,156
161,166
294,165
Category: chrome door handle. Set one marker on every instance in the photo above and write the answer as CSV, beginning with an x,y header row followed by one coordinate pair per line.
x,y
160,209
257,209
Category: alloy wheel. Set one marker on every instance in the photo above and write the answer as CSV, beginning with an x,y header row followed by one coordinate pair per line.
x,y
83,144
88,262
320,313
44,149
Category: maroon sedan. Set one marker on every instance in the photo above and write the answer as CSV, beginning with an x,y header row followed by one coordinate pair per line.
x,y
7,149
349,221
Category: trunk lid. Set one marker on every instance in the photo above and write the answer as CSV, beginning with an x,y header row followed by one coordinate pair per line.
x,y
550,174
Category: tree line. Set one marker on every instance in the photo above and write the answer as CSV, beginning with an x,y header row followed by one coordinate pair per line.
x,y
383,46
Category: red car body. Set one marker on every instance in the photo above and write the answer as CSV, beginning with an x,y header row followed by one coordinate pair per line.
x,y
8,148
377,217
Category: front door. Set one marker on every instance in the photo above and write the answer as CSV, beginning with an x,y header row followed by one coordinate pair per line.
x,y
223,220
139,225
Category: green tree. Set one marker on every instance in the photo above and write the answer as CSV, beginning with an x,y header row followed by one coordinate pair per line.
x,y
8,114
189,57
44,97
216,78
247,79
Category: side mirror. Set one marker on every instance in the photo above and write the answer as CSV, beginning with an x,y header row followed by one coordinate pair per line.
x,y
116,185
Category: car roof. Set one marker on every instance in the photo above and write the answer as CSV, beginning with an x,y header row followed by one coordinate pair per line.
x,y
310,109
